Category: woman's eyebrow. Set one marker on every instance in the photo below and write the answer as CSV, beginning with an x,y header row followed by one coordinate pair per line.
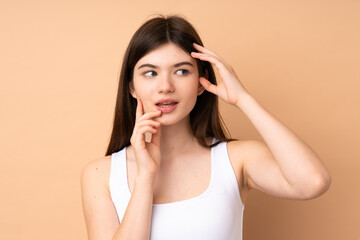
x,y
175,65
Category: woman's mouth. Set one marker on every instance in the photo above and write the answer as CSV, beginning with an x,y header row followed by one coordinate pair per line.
x,y
166,106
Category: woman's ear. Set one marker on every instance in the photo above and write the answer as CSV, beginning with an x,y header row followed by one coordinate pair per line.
x,y
132,89
201,87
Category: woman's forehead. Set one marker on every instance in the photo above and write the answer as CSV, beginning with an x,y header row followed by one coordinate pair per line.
x,y
166,55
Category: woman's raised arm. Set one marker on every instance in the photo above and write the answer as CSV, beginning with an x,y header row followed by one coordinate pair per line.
x,y
285,166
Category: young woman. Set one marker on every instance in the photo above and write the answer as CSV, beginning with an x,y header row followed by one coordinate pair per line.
x,y
187,180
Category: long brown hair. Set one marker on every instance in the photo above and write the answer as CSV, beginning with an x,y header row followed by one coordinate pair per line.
x,y
204,118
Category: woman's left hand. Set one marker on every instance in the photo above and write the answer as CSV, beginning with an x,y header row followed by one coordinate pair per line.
x,y
230,89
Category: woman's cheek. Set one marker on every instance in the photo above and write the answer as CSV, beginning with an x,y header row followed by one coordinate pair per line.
x,y
148,106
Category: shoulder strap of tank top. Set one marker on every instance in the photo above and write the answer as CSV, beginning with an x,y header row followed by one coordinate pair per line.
x,y
118,174
224,172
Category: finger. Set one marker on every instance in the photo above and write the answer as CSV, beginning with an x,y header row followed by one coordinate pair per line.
x,y
144,136
149,115
139,109
139,138
155,138
205,56
146,129
208,85
220,65
203,49
139,129
148,123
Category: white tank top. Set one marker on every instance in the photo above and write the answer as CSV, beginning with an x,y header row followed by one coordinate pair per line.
x,y
216,214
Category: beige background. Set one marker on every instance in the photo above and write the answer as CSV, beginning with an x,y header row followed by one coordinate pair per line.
x,y
59,67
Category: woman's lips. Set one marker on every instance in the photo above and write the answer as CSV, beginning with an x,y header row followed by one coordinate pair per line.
x,y
166,107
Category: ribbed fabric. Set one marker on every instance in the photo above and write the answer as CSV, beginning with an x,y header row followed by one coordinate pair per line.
x,y
216,214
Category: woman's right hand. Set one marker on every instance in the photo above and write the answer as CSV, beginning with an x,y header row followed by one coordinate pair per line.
x,y
147,155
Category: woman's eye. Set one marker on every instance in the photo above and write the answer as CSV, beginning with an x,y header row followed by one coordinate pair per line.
x,y
150,74
184,72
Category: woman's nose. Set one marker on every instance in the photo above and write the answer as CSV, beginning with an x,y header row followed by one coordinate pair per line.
x,y
166,85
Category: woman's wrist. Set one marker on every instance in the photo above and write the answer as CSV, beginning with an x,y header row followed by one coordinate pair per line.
x,y
244,99
144,180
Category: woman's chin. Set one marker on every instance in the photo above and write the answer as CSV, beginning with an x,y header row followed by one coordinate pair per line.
x,y
167,120
164,121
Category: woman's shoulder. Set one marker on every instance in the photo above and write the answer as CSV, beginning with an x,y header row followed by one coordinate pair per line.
x,y
241,151
244,147
97,171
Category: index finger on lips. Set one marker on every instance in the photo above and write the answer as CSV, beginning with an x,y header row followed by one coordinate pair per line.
x,y
150,115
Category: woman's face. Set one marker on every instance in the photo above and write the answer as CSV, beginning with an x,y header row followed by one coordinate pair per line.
x,y
167,79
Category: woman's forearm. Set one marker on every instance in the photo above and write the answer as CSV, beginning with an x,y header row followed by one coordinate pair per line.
x,y
136,222
299,164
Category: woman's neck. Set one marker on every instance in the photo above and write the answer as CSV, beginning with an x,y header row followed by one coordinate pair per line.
x,y
177,139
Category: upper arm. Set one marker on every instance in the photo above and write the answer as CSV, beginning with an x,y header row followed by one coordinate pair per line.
x,y
261,170
100,214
